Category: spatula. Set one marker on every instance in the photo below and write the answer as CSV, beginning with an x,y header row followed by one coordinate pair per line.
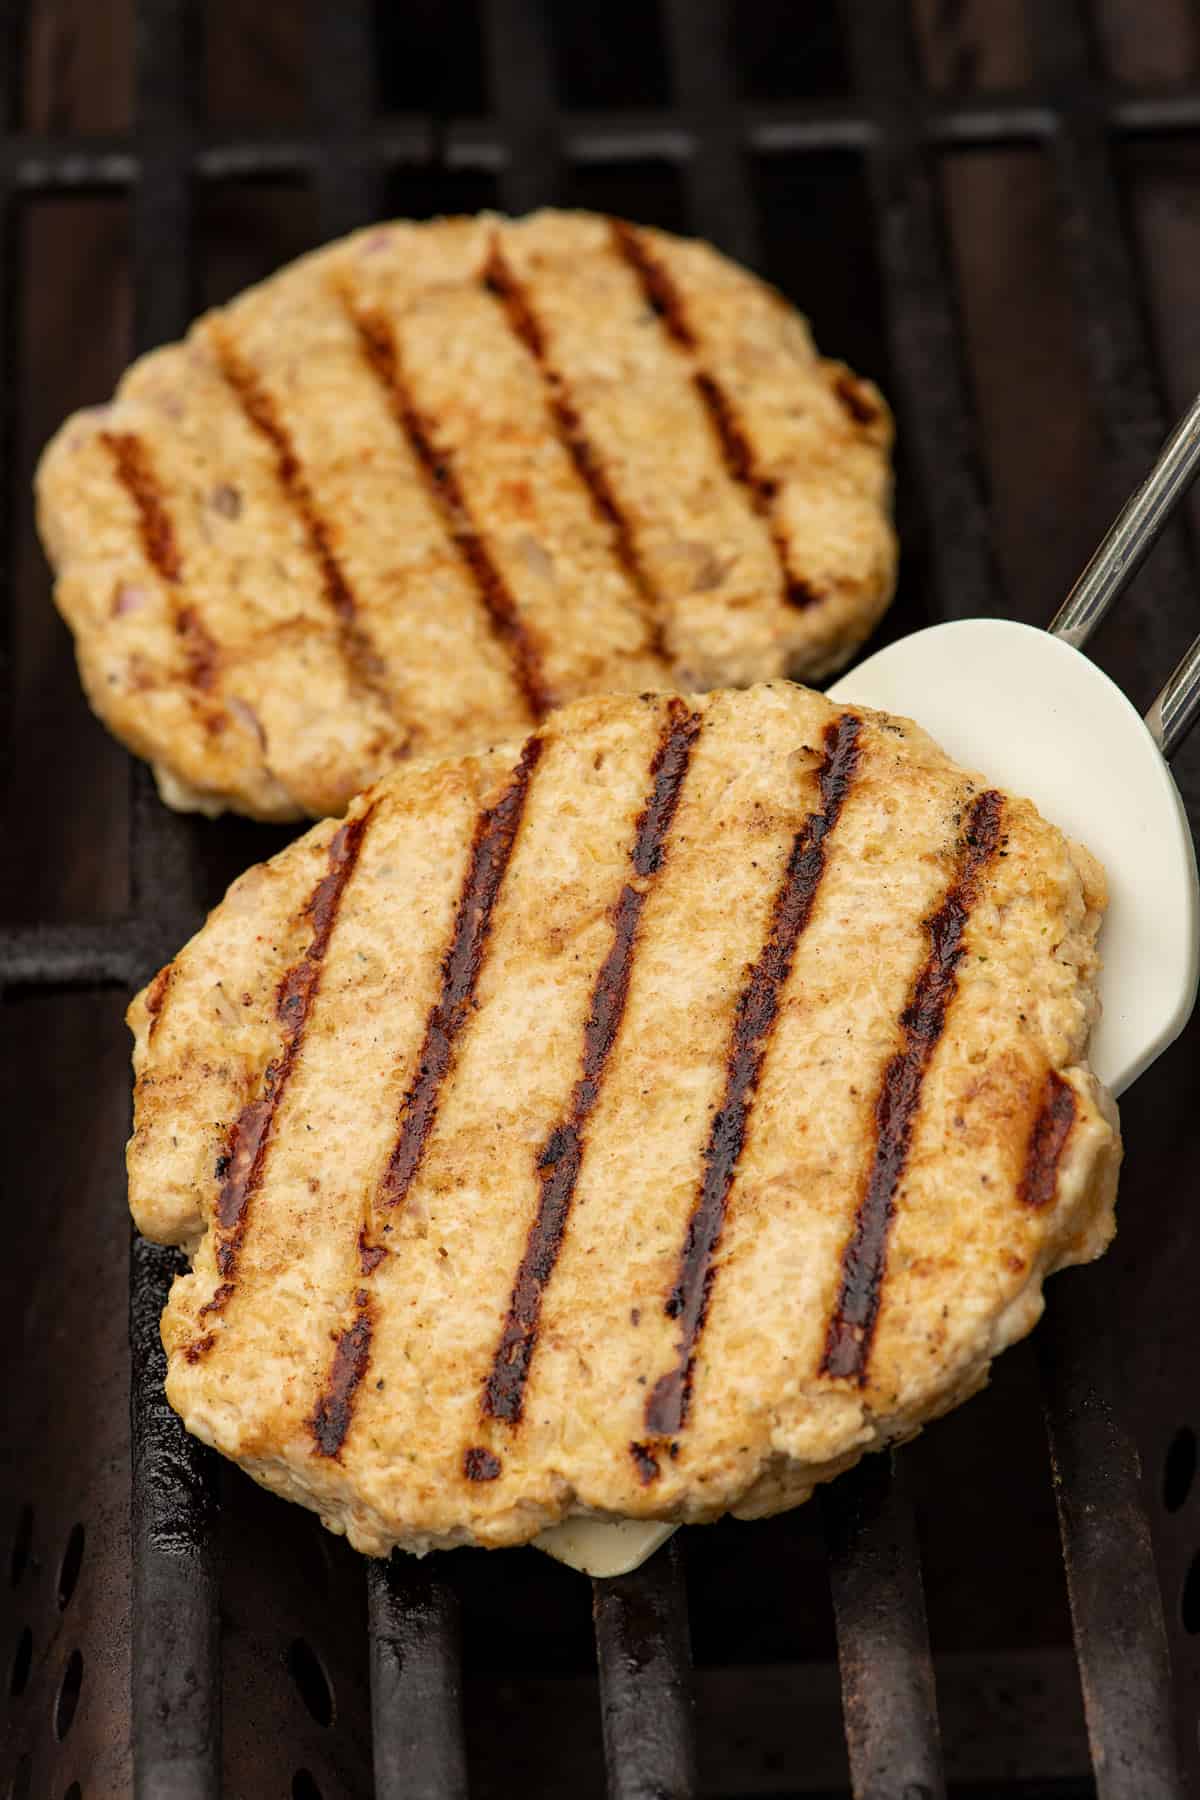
x,y
1029,709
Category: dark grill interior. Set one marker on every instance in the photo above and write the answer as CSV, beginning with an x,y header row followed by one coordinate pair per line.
x,y
991,208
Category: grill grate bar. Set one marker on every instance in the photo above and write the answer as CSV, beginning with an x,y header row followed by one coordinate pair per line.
x,y
342,102
883,1641
175,1677
1106,293
167,56
1116,1608
718,190
516,37
645,1680
931,389
176,1689
100,162
72,956
416,1681
13,22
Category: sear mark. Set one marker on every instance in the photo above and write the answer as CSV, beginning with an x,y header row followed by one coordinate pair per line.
x,y
657,285
244,1162
864,1262
369,1255
137,476
857,398
379,347
495,835
362,659
1047,1141
136,473
754,1021
501,281
334,1411
737,452
645,1462
199,648
156,996
561,1156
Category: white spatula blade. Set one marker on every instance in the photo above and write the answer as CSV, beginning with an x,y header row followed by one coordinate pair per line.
x,y
1037,717
604,1546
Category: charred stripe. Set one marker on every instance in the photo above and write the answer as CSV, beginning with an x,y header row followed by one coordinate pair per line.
x,y
754,1021
137,476
856,396
156,996
762,489
1047,1141
493,847
737,452
361,657
199,647
136,473
561,1156
645,1462
658,287
381,352
500,280
495,835
864,1262
241,1168
334,1411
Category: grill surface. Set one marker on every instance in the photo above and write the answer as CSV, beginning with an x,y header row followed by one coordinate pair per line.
x,y
981,206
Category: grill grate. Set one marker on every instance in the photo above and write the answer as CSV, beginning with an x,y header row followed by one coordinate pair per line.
x,y
534,148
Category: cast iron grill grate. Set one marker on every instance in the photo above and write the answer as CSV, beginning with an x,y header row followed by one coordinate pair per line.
x,y
711,129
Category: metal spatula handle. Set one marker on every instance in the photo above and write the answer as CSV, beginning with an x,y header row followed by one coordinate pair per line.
x,y
1177,707
1124,549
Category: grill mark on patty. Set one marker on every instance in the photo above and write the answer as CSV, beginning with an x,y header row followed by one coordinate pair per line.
x,y
1047,1141
382,355
495,835
331,1417
645,1463
369,1255
864,1261
136,473
737,452
363,660
656,284
199,647
156,997
481,1465
754,1022
561,1156
137,476
855,396
500,280
241,1168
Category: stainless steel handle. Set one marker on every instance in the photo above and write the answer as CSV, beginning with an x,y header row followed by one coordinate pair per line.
x,y
1132,535
1125,547
1178,705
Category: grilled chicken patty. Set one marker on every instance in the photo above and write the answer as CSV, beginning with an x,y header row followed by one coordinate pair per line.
x,y
426,484
645,1119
